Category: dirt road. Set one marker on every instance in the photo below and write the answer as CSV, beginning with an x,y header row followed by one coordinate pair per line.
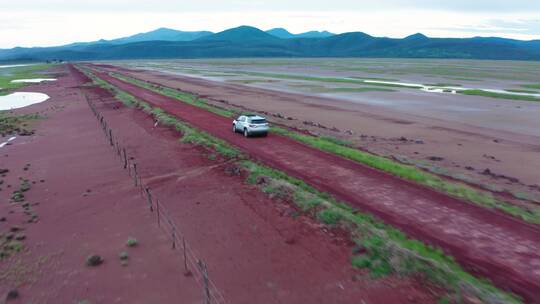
x,y
489,243
464,151
86,204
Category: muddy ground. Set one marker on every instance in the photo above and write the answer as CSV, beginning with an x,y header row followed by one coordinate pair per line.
x,y
439,220
486,141
82,202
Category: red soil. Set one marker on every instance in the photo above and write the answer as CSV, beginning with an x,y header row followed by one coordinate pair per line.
x,y
87,204
497,246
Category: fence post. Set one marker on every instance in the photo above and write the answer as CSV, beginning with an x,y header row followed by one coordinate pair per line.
x,y
141,185
187,272
111,137
204,272
157,210
173,236
125,158
135,174
149,198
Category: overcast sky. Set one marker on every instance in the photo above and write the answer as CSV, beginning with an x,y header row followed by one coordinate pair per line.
x,y
56,22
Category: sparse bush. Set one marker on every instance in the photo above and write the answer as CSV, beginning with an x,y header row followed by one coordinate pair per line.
x,y
329,216
123,255
132,242
94,260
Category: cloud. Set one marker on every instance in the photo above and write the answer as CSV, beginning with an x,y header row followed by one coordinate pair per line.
x,y
27,24
500,27
463,6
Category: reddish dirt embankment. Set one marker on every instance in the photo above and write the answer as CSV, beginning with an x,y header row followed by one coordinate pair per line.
x,y
464,151
86,204
497,246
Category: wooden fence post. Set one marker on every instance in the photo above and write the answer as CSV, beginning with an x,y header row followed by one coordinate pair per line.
x,y
135,174
149,198
125,158
158,216
173,236
187,272
204,271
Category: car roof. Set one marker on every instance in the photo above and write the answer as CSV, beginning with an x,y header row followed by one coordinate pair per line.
x,y
253,116
256,117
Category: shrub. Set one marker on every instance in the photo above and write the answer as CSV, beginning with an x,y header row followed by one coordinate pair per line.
x,y
132,242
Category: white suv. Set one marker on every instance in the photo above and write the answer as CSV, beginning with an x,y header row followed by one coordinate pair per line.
x,y
250,125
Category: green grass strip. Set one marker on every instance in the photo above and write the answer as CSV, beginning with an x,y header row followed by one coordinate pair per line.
x,y
522,91
324,79
531,86
345,149
422,258
499,95
186,97
21,72
388,249
353,90
190,134
414,174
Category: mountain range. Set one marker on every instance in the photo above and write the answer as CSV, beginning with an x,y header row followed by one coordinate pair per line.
x,y
246,41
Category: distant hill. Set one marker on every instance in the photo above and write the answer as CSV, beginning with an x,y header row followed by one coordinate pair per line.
x,y
161,34
284,34
248,41
240,34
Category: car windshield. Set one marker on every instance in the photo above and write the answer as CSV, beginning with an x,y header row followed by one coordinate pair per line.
x,y
258,121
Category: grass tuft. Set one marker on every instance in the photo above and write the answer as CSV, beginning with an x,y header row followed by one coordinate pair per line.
x,y
132,242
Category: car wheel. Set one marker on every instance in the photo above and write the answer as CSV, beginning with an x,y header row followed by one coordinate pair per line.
x,y
246,133
234,128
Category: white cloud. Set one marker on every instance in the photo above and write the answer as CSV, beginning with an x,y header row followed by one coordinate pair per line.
x,y
48,28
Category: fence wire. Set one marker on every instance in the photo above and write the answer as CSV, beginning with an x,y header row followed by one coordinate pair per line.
x,y
192,266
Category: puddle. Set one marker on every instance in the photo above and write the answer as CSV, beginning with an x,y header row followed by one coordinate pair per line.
x,y
34,80
438,90
7,141
405,84
13,66
448,89
21,99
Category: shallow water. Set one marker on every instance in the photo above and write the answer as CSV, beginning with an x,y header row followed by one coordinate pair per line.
x,y
33,80
449,89
13,66
7,141
21,99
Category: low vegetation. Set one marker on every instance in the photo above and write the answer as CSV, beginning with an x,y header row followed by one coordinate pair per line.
x,y
345,149
132,242
19,124
442,84
386,250
531,86
499,95
21,72
414,174
522,91
176,94
353,90
324,79
94,260
190,134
